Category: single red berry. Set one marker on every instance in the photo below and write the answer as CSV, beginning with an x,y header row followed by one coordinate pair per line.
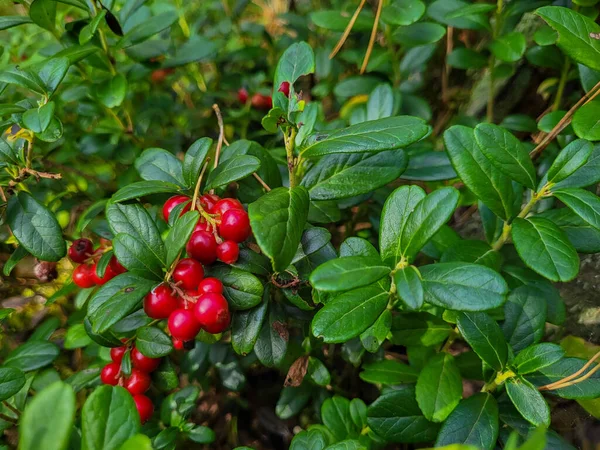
x,y
116,266
83,277
212,312
80,250
108,274
173,202
189,273
183,325
208,201
284,88
260,101
242,95
203,225
177,344
160,302
202,246
210,284
225,205
138,382
144,407
110,373
235,225
116,354
143,362
228,252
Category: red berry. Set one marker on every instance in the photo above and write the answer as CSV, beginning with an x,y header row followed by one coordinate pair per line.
x,y
212,312
284,88
260,101
203,225
116,266
116,354
144,407
160,302
202,246
177,344
80,250
208,201
210,284
228,252
138,382
189,273
83,277
108,274
225,205
142,362
242,95
110,373
235,225
173,202
183,325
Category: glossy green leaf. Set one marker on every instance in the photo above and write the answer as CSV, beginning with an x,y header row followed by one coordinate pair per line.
x,y
419,33
11,382
403,12
381,102
586,175
179,235
77,337
32,355
586,389
38,119
147,29
389,371
409,287
245,327
233,169
524,317
509,47
23,78
143,188
197,49
136,257
13,21
112,92
338,20
419,329
439,387
466,58
485,337
583,203
43,13
429,166
161,165
375,335
545,248
528,401
342,274
536,357
272,343
153,342
194,160
571,158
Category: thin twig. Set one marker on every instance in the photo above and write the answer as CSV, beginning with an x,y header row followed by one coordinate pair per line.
x,y
262,182
347,30
373,36
447,67
197,189
555,384
221,134
11,407
8,419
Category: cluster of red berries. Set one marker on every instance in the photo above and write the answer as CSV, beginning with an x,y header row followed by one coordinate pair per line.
x,y
220,229
261,101
137,383
85,275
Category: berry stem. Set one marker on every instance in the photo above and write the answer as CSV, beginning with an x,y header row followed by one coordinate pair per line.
x,y
221,137
197,189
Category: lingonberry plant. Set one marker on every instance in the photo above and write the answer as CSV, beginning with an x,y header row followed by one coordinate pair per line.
x,y
274,225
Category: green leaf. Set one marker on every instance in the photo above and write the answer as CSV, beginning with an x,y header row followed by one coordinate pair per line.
x,y
313,439
524,317
198,48
142,188
43,13
272,343
347,444
194,160
179,235
465,58
23,78
575,33
14,259
291,401
350,313
586,123
233,169
338,20
463,286
245,327
485,338
153,342
409,287
296,61
394,216
545,248
509,47
506,153
528,401
395,416
11,382
571,158
108,419
419,33
116,299
439,387
418,329
583,203
426,219
459,14
389,372
336,416
536,357
147,29
48,419
403,12
586,389
375,335
317,372
429,166
277,221
586,175
242,289
137,442
12,21
38,119
32,355
355,246
87,33
381,102
35,227
342,274
159,164
488,184
372,136
112,92
77,337
476,252
349,175
136,257
473,422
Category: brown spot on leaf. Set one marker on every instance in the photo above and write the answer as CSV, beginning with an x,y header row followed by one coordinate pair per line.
x,y
282,330
129,289
297,372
